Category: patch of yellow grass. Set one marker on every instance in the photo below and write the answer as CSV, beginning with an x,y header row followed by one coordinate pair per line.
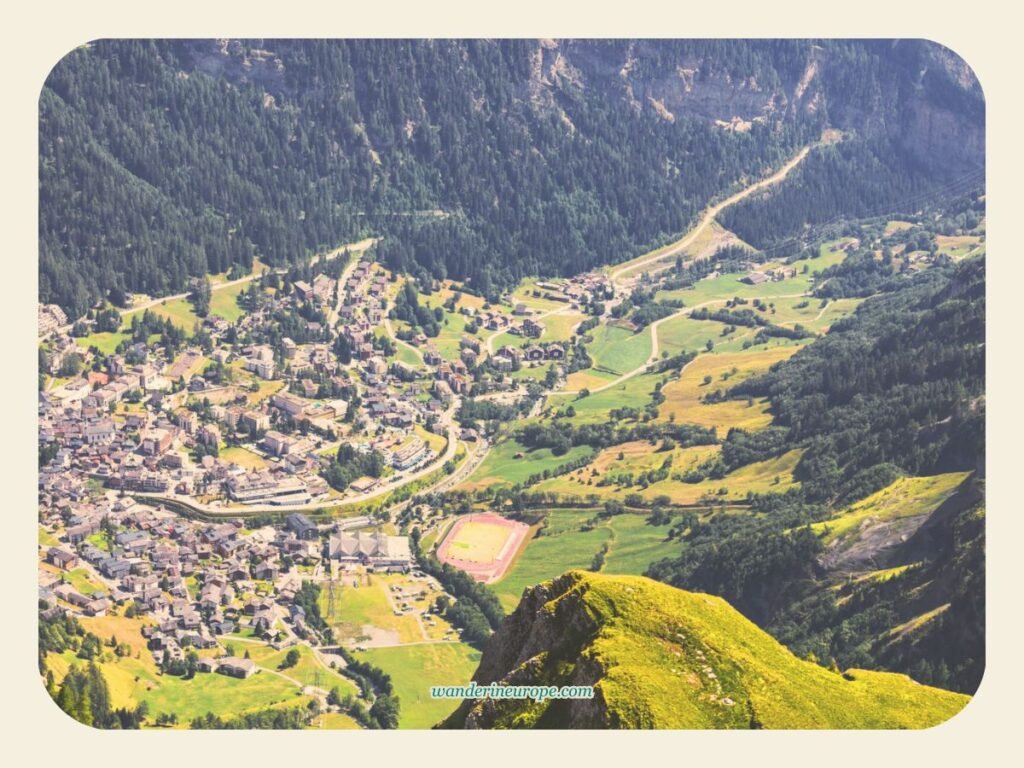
x,y
585,379
896,226
759,477
124,629
774,475
881,576
357,611
559,327
905,497
916,623
243,458
637,456
336,721
435,443
465,299
267,388
956,241
682,397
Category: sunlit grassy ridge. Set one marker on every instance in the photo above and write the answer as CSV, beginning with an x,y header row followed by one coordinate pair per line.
x,y
906,497
660,657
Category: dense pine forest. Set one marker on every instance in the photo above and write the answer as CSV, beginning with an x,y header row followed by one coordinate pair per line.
x,y
478,160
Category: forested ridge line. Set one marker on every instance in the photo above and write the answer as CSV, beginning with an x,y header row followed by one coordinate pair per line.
x,y
162,160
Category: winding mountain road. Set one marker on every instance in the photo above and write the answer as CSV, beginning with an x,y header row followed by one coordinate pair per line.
x,y
709,216
679,246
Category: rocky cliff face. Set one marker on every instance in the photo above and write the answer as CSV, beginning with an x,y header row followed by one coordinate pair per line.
x,y
550,625
921,94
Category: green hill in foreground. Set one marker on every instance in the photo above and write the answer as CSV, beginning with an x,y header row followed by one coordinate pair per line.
x,y
660,657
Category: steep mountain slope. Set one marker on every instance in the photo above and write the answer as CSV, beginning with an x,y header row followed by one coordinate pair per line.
x,y
889,409
164,159
660,657
920,604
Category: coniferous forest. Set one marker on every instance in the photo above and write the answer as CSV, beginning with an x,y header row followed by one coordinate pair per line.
x,y
484,161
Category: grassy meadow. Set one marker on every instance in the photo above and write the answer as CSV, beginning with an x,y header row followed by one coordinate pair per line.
x,y
415,668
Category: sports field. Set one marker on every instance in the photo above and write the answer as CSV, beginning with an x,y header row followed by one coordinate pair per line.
x,y
243,458
482,545
479,542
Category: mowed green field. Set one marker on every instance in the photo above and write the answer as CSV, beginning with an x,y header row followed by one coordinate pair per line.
x,y
307,671
415,668
558,326
79,578
563,546
614,351
809,313
224,301
636,545
683,334
105,342
220,694
179,312
618,350
506,339
406,354
335,721
132,681
524,295
720,289
634,392
729,286
452,329
47,539
502,468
